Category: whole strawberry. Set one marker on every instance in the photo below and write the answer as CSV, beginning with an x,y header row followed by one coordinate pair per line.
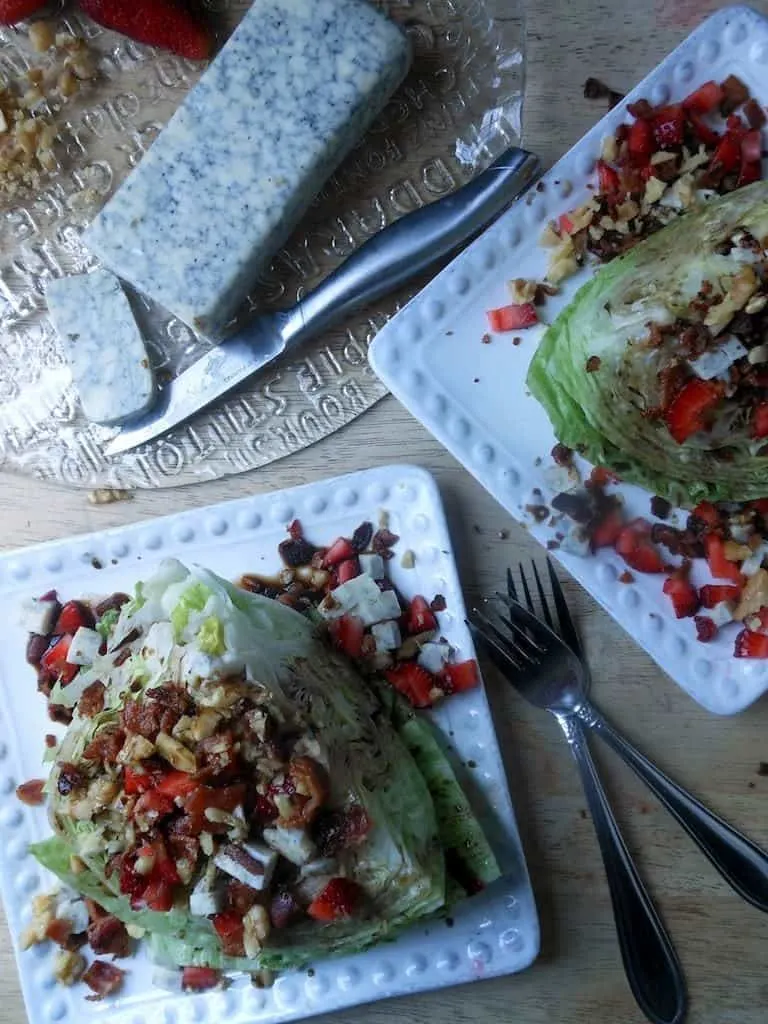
x,y
164,23
12,11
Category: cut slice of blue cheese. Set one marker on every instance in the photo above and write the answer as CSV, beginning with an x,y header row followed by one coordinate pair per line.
x,y
103,346
240,162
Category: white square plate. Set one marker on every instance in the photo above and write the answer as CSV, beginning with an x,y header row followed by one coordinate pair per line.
x,y
472,396
491,934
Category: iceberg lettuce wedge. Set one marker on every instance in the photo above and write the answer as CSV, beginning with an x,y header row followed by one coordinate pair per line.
x,y
189,628
598,376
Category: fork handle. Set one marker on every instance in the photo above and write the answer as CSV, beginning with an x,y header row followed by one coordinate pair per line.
x,y
650,962
740,861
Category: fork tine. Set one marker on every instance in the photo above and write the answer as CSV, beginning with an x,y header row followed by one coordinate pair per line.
x,y
543,597
508,643
515,627
526,591
494,642
511,588
567,627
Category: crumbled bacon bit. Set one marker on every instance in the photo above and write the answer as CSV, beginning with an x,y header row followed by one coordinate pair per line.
x,y
59,713
486,339
92,699
59,931
103,979
50,740
626,577
108,936
31,793
705,628
735,93
383,540
438,603
562,455
105,746
593,364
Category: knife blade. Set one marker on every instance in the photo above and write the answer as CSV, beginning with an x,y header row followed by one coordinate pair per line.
x,y
390,259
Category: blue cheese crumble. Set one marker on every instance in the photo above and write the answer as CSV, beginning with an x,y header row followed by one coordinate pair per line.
x,y
238,165
103,345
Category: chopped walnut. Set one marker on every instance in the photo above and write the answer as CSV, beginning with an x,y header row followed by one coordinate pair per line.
x,y
408,561
41,36
43,913
27,126
107,495
175,753
522,290
68,966
609,150
256,928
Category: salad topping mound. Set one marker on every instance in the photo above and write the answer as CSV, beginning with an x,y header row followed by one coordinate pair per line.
x,y
230,786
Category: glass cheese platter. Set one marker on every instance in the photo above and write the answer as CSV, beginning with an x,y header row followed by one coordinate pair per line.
x,y
459,108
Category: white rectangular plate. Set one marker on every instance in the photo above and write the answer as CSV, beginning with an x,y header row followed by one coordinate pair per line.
x,y
491,934
472,396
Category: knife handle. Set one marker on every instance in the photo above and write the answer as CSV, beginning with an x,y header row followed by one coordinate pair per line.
x,y
411,245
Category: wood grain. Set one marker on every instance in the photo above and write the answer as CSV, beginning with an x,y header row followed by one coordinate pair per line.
x,y
578,979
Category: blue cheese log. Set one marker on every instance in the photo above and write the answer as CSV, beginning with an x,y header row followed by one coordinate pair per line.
x,y
103,345
238,165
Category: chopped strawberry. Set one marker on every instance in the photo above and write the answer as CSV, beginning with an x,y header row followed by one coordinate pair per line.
x,y
420,616
228,925
640,142
514,317
72,616
348,570
340,898
719,565
12,11
176,784
295,530
601,477
136,781
607,531
727,156
706,629
758,622
607,178
708,513
760,505
760,421
413,681
751,645
158,895
340,551
749,173
705,98
751,147
715,593
54,661
168,24
565,224
459,676
687,413
702,130
347,633
682,594
668,124
199,979
635,547
154,805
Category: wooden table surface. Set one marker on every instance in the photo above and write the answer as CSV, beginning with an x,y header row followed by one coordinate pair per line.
x,y
578,978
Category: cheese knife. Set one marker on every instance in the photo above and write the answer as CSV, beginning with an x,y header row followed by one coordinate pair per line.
x,y
394,256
